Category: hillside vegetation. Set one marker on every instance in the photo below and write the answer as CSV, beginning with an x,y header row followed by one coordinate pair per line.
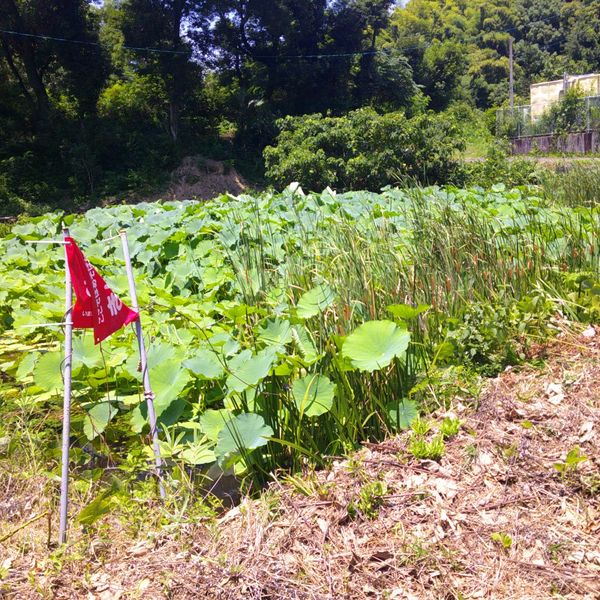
x,y
104,100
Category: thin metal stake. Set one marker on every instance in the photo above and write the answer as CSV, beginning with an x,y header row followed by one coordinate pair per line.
x,y
148,394
511,77
64,481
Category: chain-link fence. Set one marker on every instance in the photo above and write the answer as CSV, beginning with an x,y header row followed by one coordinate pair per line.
x,y
575,115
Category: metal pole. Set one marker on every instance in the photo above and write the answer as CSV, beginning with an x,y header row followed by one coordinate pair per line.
x,y
511,76
64,481
587,114
148,394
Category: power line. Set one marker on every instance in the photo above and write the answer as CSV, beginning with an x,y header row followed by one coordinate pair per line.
x,y
339,55
386,50
422,45
187,52
87,43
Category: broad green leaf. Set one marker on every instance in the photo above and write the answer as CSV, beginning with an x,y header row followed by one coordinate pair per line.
x,y
244,432
315,301
97,418
212,421
159,353
443,351
47,373
167,381
198,454
275,332
85,352
313,395
115,356
246,370
192,425
404,413
407,312
130,399
139,417
26,365
96,509
373,345
305,345
204,364
100,505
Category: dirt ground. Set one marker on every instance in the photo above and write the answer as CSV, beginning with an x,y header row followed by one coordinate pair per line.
x,y
495,518
199,178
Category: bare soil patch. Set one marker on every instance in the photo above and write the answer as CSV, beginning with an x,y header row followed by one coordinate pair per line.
x,y
493,519
199,178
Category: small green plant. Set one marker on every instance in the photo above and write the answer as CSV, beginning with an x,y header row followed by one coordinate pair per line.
x,y
572,460
510,452
370,500
590,484
421,427
421,449
502,539
356,468
449,427
557,551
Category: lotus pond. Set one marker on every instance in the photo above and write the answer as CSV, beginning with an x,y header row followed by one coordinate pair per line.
x,y
286,328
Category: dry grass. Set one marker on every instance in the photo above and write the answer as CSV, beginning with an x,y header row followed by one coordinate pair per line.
x,y
432,536
199,178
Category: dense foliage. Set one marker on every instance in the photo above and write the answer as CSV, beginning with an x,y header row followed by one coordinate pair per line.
x,y
363,150
283,328
105,98
460,49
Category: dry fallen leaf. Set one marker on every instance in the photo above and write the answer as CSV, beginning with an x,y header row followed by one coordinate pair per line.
x,y
586,432
445,487
589,333
593,556
111,595
485,459
6,563
576,556
323,526
555,393
139,549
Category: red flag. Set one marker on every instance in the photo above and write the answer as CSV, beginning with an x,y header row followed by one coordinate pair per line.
x,y
96,305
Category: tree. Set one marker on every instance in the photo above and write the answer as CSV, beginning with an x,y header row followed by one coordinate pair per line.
x,y
38,64
582,21
441,71
159,25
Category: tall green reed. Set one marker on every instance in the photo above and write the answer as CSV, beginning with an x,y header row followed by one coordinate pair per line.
x,y
490,266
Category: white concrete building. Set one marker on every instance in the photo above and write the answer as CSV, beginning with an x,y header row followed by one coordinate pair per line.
x,y
543,95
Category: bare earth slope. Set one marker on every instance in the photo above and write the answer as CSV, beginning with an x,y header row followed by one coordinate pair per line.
x,y
494,519
199,178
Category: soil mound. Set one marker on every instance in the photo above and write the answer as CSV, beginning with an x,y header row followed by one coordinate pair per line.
x,y
200,178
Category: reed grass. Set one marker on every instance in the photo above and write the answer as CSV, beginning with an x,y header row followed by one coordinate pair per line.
x,y
493,268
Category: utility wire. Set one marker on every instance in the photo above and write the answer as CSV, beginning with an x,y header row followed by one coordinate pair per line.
x,y
86,43
263,57
342,54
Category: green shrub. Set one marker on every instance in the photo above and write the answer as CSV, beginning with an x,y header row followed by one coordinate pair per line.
x,y
566,115
363,150
498,167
